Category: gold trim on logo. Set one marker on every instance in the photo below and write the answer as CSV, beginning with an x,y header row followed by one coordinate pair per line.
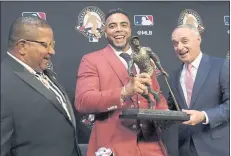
x,y
191,17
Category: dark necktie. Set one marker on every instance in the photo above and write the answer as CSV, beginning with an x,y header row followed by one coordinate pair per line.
x,y
128,58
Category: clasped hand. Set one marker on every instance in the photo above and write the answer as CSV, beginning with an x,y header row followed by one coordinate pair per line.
x,y
138,84
195,117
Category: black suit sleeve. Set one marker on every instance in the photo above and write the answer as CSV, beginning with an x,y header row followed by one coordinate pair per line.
x,y
6,127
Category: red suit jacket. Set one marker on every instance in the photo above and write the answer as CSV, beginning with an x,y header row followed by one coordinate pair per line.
x,y
101,76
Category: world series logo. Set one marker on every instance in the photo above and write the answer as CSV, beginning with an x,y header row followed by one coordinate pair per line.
x,y
191,17
90,22
227,22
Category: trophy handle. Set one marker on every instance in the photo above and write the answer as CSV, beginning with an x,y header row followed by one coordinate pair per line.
x,y
171,92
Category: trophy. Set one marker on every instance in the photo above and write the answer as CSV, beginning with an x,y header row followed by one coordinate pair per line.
x,y
143,57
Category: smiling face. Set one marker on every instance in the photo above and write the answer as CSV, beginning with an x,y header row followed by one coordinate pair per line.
x,y
186,43
118,31
37,55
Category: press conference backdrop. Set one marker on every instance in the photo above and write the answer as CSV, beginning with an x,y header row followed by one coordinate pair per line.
x,y
161,18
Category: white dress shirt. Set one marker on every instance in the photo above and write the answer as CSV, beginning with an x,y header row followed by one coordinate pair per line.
x,y
22,63
195,65
59,95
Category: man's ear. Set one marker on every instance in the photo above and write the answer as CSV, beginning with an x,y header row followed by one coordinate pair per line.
x,y
199,39
104,29
21,46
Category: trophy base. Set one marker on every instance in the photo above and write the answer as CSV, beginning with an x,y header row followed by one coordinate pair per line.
x,y
157,115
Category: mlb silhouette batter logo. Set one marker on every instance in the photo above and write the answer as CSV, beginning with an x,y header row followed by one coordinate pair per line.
x,y
42,15
143,20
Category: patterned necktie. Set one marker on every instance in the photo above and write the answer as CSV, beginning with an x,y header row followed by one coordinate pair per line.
x,y
189,82
55,90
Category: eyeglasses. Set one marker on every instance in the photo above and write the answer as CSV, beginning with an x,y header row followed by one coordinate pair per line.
x,y
48,45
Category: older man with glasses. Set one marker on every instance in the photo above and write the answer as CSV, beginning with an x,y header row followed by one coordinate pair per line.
x,y
36,115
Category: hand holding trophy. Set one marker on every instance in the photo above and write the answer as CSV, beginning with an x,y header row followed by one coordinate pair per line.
x,y
146,60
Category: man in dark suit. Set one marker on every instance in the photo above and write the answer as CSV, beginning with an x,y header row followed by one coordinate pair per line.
x,y
37,118
201,87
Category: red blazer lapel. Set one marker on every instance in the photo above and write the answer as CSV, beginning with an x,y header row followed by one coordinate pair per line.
x,y
116,64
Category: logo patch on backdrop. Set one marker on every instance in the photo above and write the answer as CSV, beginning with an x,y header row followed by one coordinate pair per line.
x,y
90,22
226,20
227,55
144,32
143,20
191,17
42,15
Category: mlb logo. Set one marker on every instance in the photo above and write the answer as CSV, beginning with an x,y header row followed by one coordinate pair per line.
x,y
143,20
226,20
41,15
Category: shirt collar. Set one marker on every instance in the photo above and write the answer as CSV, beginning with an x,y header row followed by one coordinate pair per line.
x,y
197,61
22,63
117,52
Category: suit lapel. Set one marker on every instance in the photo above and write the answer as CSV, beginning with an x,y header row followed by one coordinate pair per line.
x,y
38,86
31,80
202,73
179,91
116,64
51,76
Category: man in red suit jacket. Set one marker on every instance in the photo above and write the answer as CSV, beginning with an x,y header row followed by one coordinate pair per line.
x,y
104,88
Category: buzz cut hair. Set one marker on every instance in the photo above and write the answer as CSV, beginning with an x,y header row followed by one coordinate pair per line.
x,y
25,28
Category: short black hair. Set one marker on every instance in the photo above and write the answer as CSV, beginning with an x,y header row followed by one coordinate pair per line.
x,y
25,28
115,11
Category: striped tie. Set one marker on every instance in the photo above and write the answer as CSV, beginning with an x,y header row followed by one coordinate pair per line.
x,y
54,89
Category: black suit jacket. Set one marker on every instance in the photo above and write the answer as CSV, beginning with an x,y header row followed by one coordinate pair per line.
x,y
33,122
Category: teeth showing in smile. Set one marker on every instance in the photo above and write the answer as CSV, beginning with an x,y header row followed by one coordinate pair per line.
x,y
183,53
119,37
